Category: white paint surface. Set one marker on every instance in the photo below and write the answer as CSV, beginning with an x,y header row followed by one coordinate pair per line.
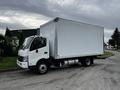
x,y
73,39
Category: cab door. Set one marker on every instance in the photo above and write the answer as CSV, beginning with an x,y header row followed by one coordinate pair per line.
x,y
38,50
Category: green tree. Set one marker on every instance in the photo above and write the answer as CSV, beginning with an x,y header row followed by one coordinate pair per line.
x,y
115,41
116,37
8,47
111,42
5,46
2,41
21,38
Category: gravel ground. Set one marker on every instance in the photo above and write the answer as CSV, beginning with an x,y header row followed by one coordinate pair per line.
x,y
103,75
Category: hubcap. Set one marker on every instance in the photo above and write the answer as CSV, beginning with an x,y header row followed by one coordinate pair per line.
x,y
43,68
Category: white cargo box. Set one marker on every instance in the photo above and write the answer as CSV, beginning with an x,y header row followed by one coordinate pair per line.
x,y
69,38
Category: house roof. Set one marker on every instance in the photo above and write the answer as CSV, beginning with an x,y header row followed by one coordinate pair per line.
x,y
24,32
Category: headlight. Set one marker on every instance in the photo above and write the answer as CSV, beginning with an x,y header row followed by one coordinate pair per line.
x,y
25,59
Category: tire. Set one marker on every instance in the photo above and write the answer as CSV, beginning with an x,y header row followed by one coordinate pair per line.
x,y
42,67
87,62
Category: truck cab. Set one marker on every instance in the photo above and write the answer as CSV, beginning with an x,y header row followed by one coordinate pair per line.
x,y
33,50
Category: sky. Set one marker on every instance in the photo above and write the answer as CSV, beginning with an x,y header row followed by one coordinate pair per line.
x,y
26,14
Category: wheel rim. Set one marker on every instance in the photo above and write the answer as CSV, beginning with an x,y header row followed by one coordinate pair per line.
x,y
42,68
87,61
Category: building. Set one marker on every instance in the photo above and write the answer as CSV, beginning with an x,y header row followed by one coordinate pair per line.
x,y
18,36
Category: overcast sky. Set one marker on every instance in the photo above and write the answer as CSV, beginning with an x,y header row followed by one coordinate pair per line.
x,y
17,14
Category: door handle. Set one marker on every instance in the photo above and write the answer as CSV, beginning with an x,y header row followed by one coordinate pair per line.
x,y
45,52
36,51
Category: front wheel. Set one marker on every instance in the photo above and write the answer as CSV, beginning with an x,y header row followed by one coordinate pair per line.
x,y
42,68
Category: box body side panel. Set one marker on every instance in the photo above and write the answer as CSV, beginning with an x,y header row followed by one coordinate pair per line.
x,y
78,39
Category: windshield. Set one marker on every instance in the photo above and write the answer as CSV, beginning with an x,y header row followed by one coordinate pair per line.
x,y
26,43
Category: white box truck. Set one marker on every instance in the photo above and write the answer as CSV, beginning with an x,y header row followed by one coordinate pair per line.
x,y
60,42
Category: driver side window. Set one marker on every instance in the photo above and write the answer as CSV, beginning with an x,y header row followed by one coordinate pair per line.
x,y
38,43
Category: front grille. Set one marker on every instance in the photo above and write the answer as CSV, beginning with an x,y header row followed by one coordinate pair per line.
x,y
20,58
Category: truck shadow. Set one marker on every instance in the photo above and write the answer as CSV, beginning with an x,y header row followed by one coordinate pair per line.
x,y
61,69
73,67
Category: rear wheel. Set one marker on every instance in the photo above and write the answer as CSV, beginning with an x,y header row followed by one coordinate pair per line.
x,y
42,67
87,61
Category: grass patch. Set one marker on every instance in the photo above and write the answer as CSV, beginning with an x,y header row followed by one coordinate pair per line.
x,y
8,63
105,55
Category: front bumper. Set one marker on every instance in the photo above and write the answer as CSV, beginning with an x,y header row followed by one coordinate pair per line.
x,y
22,64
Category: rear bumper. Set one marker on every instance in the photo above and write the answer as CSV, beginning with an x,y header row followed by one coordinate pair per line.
x,y
22,64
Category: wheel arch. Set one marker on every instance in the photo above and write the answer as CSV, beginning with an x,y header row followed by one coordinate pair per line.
x,y
43,60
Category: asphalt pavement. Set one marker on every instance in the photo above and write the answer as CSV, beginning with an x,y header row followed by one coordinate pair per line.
x,y
103,75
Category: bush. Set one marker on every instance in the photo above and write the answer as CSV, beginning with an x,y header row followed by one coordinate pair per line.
x,y
14,51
